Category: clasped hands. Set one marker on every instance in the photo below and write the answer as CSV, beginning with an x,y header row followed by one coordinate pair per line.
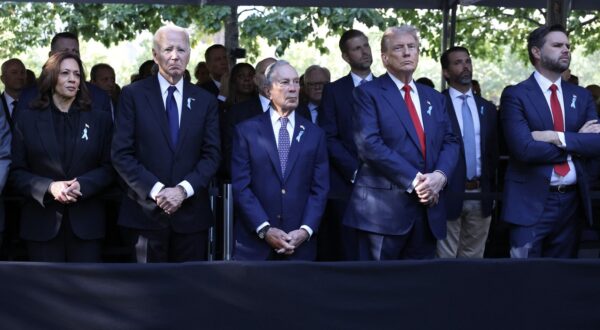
x,y
591,126
170,199
429,186
65,192
285,243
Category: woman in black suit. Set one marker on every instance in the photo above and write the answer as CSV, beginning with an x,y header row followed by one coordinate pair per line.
x,y
61,163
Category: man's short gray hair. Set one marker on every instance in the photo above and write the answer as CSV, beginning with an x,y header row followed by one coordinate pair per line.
x,y
315,67
166,28
397,30
271,69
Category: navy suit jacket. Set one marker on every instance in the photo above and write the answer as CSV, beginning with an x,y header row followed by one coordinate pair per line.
x,y
211,87
143,154
335,119
455,190
524,109
391,157
261,193
36,163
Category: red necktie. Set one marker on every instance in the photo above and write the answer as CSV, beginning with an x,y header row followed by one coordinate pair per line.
x,y
563,168
415,118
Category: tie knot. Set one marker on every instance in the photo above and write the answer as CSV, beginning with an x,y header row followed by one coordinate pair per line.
x,y
171,90
284,121
362,81
406,88
463,97
553,88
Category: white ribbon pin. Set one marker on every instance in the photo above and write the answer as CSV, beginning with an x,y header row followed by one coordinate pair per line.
x,y
84,136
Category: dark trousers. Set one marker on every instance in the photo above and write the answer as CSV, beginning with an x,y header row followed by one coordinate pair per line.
x,y
165,245
65,247
418,243
336,242
555,235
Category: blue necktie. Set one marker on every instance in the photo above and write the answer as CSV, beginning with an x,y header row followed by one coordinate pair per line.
x,y
469,139
173,115
283,145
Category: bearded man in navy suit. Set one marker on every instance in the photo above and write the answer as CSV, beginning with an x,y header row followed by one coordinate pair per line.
x,y
280,176
166,149
551,128
406,149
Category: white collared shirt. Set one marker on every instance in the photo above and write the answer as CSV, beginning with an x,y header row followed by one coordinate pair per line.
x,y
264,103
356,79
178,94
545,83
276,123
457,102
9,103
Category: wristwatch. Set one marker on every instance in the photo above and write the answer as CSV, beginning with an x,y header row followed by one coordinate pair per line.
x,y
263,231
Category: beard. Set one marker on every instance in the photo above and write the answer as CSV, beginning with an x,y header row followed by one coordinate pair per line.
x,y
554,65
465,78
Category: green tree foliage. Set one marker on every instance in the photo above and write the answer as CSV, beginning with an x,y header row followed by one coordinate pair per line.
x,y
484,30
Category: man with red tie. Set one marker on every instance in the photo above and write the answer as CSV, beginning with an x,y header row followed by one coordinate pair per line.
x,y
407,149
550,128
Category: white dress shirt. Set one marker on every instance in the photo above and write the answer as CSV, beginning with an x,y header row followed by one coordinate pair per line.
x,y
9,103
544,83
457,102
356,79
178,94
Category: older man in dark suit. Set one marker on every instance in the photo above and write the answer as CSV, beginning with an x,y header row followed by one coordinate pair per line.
x,y
166,149
551,130
407,151
280,176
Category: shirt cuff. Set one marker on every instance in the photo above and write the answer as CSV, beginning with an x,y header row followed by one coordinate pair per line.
x,y
308,230
155,190
188,188
414,183
222,98
445,177
262,225
561,137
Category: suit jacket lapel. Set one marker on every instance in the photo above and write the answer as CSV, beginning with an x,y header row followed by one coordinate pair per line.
x,y
427,109
189,98
48,139
481,113
296,146
394,98
538,100
268,142
570,104
156,105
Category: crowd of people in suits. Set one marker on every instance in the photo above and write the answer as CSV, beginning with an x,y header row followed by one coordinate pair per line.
x,y
361,168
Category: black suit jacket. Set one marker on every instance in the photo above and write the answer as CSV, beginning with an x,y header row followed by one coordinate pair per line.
x,y
336,120
143,155
211,87
36,164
